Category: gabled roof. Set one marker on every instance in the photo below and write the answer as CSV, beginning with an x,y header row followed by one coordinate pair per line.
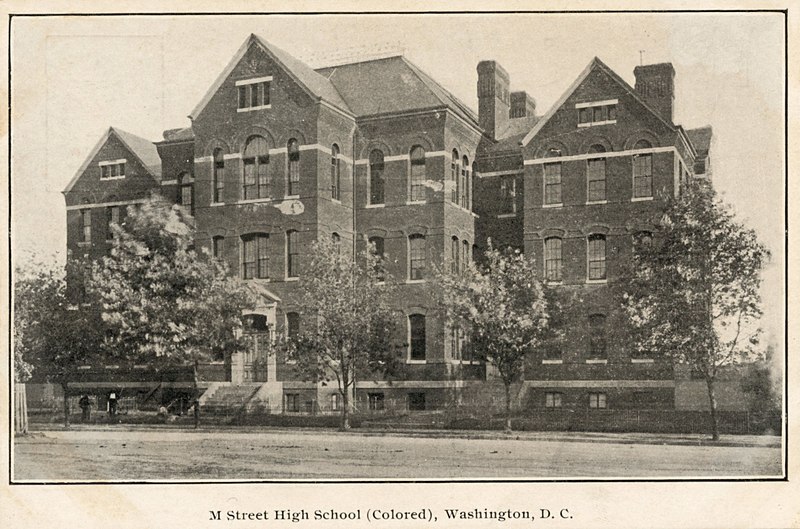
x,y
313,83
701,138
594,63
144,150
390,85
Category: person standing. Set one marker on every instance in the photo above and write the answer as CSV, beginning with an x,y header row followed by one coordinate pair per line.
x,y
112,404
86,408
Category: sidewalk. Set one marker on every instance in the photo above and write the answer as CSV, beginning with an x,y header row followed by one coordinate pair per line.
x,y
762,441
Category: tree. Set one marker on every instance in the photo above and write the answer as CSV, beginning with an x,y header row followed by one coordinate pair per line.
x,y
52,333
503,307
351,326
693,291
162,303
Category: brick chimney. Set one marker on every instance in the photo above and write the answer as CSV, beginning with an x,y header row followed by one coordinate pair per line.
x,y
493,97
655,83
522,105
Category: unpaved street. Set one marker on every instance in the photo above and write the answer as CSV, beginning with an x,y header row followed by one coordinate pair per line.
x,y
121,455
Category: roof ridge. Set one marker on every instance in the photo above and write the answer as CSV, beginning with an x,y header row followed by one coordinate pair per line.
x,y
334,66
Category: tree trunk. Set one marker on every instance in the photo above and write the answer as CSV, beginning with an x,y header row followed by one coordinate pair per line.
x,y
345,424
196,402
508,407
66,404
20,409
712,400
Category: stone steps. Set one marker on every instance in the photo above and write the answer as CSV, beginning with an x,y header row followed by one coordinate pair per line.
x,y
229,400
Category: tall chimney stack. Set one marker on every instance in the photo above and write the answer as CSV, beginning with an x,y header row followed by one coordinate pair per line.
x,y
655,83
522,105
493,97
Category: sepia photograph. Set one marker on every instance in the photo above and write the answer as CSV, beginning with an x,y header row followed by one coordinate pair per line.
x,y
393,247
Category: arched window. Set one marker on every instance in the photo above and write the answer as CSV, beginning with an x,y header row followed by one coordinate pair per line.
x,y
255,256
218,247
597,336
463,199
642,171
377,246
376,180
219,176
417,174
552,178
336,183
464,254
552,259
416,257
416,334
293,156
336,239
597,256
292,254
292,324
596,175
454,177
454,256
256,169
186,191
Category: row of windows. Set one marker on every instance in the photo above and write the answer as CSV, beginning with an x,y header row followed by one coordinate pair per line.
x,y
112,170
255,256
253,95
595,400
597,114
595,256
596,175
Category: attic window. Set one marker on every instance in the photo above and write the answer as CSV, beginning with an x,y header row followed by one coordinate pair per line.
x,y
112,169
597,113
253,94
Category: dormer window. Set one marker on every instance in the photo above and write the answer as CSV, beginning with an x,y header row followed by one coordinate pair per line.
x,y
112,169
597,113
253,94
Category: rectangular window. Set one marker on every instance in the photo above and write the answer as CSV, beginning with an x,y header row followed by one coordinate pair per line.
x,y
596,180
218,248
416,257
552,400
186,197
416,401
292,257
112,218
584,116
597,257
375,401
552,183
219,179
86,223
597,337
114,169
597,400
255,256
455,344
418,179
250,190
294,173
252,95
643,175
508,194
336,402
552,259
416,324
454,256
292,402
599,113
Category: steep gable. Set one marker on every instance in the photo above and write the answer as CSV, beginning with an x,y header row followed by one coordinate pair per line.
x,y
142,168
312,83
596,82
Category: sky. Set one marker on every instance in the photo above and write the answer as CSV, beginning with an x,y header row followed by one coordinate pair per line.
x,y
73,77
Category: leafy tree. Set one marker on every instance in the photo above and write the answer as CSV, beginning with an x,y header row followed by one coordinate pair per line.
x,y
162,302
52,333
350,326
503,307
693,292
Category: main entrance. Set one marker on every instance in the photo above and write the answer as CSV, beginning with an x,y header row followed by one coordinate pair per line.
x,y
255,364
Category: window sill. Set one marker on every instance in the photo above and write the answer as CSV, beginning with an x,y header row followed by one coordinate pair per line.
x,y
112,178
372,206
291,197
416,202
507,216
250,109
552,205
416,362
336,201
597,361
216,204
296,278
642,361
465,362
167,182
554,283
594,202
641,199
84,244
597,123
552,362
596,281
414,281
250,201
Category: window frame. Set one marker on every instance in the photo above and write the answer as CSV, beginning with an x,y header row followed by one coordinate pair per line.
x,y
113,216
417,345
551,186
416,178
217,176
253,94
553,263
642,176
258,244
376,167
292,168
598,340
598,400
86,226
454,173
292,254
259,186
508,194
553,400
596,173
417,257
593,257
336,184
218,247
